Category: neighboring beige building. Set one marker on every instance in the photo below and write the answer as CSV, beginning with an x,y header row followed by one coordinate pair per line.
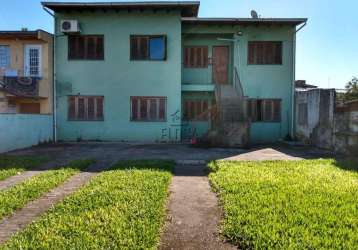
x,y
26,70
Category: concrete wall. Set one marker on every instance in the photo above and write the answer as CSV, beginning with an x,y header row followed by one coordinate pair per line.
x,y
117,77
327,126
319,121
21,130
346,132
258,81
17,49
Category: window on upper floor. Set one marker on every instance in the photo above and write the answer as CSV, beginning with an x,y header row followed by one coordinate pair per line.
x,y
264,53
264,110
86,47
148,109
4,56
85,108
196,57
143,47
196,110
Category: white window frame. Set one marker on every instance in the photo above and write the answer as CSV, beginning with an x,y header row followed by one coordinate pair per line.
x,y
26,59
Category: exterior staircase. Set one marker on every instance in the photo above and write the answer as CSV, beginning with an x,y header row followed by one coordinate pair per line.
x,y
230,123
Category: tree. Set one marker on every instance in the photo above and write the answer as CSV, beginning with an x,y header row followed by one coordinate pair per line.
x,y
352,90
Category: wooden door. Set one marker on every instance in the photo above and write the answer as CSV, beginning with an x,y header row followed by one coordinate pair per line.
x,y
220,64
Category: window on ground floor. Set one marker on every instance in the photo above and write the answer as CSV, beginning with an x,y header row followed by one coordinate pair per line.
x,y
196,57
85,108
148,109
264,110
195,110
145,47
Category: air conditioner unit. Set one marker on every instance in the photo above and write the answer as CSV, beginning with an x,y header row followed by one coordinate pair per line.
x,y
70,26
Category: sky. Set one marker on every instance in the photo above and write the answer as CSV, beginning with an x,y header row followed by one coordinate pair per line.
x,y
327,48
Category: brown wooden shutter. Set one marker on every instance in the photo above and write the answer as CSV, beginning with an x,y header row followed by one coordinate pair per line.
x,y
100,47
205,109
143,108
134,105
277,110
81,108
251,55
143,47
153,115
90,108
186,110
99,108
268,110
205,57
278,52
162,109
71,107
196,57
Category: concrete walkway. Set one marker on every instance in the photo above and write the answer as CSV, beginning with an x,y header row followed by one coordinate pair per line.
x,y
194,215
21,218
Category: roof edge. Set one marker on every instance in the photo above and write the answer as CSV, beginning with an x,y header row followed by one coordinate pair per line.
x,y
201,20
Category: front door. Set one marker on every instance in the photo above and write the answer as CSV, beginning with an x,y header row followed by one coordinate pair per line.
x,y
220,64
32,60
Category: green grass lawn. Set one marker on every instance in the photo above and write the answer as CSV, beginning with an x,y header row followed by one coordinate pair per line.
x,y
19,195
123,208
12,165
311,204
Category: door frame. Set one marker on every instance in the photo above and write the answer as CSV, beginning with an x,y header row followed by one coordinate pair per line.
x,y
228,62
27,47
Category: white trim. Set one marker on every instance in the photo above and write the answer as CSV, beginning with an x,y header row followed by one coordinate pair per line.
x,y
26,59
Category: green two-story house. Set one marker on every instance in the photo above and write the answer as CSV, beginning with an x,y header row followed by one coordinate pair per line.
x,y
156,72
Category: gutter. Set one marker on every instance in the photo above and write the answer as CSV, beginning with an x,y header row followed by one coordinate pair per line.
x,y
293,116
54,96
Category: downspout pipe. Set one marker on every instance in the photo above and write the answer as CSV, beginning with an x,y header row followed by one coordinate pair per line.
x,y
293,116
54,104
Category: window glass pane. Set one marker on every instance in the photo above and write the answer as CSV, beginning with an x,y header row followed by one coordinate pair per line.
x,y
157,48
4,56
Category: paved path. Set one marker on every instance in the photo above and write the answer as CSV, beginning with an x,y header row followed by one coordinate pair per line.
x,y
16,179
194,215
36,208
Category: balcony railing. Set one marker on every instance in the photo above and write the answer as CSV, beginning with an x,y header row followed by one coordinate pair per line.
x,y
20,85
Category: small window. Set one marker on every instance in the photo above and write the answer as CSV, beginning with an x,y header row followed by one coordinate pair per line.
x,y
264,110
195,110
196,57
265,53
85,108
85,47
151,109
4,56
148,48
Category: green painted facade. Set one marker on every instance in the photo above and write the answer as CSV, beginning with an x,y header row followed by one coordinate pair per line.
x,y
117,77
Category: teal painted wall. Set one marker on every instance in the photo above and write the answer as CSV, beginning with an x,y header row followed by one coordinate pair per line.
x,y
22,130
117,78
259,81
